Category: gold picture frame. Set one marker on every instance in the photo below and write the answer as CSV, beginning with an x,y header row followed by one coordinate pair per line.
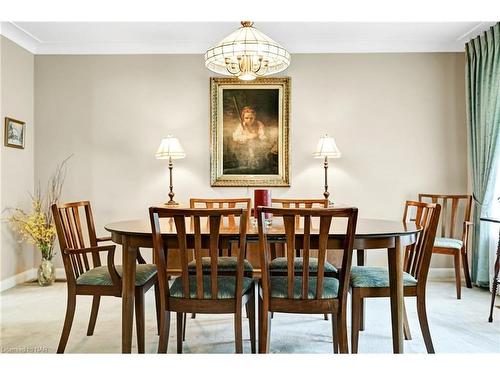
x,y
249,132
14,133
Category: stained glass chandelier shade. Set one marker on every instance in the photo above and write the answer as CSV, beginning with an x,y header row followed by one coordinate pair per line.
x,y
247,54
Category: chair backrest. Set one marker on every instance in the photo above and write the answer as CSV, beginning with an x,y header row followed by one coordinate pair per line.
x,y
302,239
452,218
75,233
199,240
245,203
418,255
300,203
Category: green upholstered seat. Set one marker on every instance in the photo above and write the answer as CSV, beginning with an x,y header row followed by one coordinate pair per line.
x,y
279,287
280,264
100,275
226,287
223,264
450,243
375,277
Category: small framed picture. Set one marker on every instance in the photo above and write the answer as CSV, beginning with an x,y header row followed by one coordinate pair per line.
x,y
14,133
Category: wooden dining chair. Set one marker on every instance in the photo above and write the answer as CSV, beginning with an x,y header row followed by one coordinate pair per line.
x,y
371,282
300,203
225,259
279,263
244,203
211,288
453,234
303,290
88,276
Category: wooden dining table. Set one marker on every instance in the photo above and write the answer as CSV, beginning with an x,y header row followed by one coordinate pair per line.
x,y
370,234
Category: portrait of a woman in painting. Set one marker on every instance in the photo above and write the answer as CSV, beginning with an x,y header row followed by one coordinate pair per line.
x,y
250,134
251,140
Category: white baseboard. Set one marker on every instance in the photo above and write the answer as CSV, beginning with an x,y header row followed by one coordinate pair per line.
x,y
448,274
441,274
60,274
18,279
29,275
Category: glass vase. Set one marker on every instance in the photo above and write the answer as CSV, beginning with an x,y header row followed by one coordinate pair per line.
x,y
46,272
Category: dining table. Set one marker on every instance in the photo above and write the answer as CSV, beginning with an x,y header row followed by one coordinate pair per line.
x,y
371,234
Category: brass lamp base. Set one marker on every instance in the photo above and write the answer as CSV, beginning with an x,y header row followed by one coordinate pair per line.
x,y
326,194
171,194
171,203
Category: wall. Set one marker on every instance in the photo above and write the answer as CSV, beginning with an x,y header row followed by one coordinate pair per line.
x,y
398,119
17,166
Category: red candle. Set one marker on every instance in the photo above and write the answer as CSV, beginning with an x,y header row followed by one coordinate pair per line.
x,y
262,197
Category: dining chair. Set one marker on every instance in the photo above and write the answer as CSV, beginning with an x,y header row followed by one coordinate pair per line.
x,y
227,261
244,203
211,288
302,289
220,203
372,282
88,276
300,203
454,232
279,263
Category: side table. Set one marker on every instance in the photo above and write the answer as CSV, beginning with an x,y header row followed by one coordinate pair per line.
x,y
496,269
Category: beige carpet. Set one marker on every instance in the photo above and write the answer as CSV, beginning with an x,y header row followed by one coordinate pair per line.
x,y
32,319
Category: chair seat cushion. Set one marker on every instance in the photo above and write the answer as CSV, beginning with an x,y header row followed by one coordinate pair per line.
x,y
279,287
450,243
226,287
100,275
280,264
223,264
375,277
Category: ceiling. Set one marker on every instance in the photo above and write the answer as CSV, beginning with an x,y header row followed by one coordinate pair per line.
x,y
196,37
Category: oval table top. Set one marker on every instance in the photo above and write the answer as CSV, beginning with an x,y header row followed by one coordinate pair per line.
x,y
365,228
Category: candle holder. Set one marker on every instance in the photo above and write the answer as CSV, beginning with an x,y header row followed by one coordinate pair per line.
x,y
262,198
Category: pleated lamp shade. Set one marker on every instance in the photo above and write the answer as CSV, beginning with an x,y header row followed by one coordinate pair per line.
x,y
170,147
326,148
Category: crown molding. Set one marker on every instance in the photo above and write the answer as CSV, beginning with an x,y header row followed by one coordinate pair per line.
x,y
22,38
126,48
475,31
174,47
29,42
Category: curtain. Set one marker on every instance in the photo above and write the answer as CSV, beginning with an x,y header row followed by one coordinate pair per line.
x,y
483,117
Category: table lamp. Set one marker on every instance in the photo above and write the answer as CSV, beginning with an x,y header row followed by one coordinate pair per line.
x,y
170,148
327,149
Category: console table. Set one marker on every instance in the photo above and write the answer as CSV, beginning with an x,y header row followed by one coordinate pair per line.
x,y
496,269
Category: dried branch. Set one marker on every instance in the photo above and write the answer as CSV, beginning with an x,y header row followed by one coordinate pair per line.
x,y
37,226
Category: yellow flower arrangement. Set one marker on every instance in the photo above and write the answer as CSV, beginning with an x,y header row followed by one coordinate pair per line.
x,y
35,228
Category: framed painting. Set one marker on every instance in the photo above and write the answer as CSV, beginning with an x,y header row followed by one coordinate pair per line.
x,y
249,132
14,133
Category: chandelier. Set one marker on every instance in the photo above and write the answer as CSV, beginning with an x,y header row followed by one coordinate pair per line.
x,y
247,54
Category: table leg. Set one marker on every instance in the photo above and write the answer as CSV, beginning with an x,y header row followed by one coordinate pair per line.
x,y
128,293
360,254
396,288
